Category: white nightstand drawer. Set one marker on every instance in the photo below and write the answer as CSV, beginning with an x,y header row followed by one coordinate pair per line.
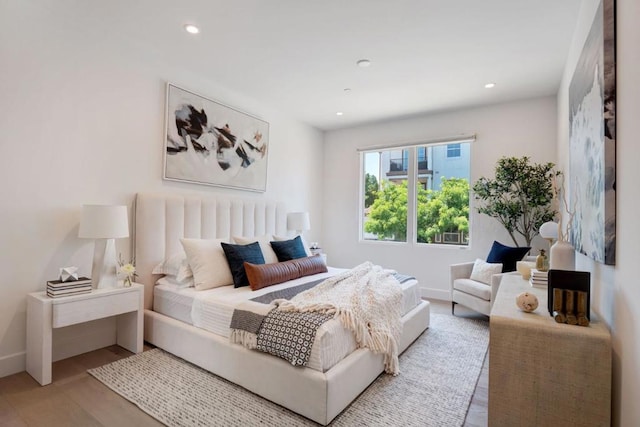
x,y
72,312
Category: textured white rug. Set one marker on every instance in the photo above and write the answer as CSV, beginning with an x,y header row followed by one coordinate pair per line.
x,y
437,378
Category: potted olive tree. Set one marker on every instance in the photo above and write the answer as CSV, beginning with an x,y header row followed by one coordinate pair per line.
x,y
519,197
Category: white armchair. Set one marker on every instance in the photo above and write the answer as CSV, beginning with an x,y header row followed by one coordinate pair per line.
x,y
476,295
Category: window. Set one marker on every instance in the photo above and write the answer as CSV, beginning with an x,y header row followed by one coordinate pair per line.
x,y
453,150
384,196
416,194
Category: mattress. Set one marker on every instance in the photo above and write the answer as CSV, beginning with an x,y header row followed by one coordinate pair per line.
x,y
212,310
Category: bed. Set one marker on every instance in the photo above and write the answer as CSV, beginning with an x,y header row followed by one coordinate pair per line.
x,y
319,392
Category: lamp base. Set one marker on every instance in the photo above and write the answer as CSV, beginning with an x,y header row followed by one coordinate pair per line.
x,y
104,269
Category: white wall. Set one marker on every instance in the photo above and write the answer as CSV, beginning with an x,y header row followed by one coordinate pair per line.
x,y
81,121
615,289
513,129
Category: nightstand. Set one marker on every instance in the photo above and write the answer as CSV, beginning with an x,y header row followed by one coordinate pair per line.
x,y
44,314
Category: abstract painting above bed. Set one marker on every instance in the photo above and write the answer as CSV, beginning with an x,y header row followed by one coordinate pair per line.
x,y
209,143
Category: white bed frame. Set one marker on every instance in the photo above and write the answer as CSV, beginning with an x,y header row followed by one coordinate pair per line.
x,y
160,221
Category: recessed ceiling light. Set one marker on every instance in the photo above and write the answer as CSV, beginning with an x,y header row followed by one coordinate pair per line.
x,y
489,85
339,113
191,29
347,89
363,63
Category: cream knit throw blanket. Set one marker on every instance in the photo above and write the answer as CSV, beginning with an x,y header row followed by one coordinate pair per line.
x,y
367,300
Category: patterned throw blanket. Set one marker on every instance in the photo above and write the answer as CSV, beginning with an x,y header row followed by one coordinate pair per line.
x,y
288,335
367,300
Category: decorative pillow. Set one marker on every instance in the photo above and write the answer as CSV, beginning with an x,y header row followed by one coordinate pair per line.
x,y
506,255
175,265
172,281
304,243
267,251
482,271
237,255
208,263
289,249
263,275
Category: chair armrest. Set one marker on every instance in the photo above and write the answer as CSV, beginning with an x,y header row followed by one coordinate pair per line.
x,y
459,271
496,279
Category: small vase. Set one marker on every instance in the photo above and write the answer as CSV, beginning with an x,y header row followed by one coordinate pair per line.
x,y
563,256
127,282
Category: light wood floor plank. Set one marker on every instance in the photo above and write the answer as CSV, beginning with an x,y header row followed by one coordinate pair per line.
x,y
106,406
9,417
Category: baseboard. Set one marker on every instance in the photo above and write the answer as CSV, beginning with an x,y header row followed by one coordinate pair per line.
x,y
13,363
438,294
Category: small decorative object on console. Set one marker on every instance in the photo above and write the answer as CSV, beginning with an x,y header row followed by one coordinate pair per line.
x,y
68,274
570,307
524,268
541,261
539,279
572,281
527,302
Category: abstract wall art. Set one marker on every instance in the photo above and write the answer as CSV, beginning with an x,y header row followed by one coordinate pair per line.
x,y
209,143
592,141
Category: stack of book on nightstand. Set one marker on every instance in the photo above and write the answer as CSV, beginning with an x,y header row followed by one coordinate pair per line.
x,y
539,278
58,288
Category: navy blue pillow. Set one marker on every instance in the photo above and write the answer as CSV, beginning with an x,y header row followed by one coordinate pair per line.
x,y
237,255
286,250
506,255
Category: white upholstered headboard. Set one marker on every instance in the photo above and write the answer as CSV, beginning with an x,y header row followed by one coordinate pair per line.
x,y
161,220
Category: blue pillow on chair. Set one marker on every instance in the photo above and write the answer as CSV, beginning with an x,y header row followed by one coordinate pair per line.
x,y
506,255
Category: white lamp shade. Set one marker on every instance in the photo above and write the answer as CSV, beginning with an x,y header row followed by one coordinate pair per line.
x,y
549,230
298,221
104,222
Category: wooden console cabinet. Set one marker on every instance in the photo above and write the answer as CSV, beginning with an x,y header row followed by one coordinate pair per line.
x,y
543,373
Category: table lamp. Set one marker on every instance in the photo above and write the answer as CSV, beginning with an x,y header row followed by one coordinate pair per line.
x,y
104,223
298,221
549,230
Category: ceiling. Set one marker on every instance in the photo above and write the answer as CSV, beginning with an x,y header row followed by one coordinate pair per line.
x,y
298,56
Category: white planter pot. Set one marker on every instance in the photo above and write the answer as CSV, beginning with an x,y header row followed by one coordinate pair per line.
x,y
563,256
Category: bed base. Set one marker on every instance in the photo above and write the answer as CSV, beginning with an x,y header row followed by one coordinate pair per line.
x,y
316,395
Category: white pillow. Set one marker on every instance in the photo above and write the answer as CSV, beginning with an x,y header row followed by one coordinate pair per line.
x,y
208,263
173,282
482,271
267,251
176,265
304,242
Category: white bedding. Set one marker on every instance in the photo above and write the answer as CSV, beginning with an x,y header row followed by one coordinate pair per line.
x,y
212,310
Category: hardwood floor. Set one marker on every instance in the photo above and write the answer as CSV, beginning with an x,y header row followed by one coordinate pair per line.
x,y
74,398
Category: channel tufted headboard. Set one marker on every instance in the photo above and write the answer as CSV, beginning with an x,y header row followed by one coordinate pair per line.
x,y
161,220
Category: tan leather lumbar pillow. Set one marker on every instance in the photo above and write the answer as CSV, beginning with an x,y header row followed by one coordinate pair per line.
x,y
263,275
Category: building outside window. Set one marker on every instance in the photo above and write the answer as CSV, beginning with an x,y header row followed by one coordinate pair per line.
x,y
425,182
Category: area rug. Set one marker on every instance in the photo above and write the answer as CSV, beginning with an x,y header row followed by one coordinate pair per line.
x,y
437,378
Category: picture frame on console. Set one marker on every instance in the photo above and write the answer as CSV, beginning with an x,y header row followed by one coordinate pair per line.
x,y
210,143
